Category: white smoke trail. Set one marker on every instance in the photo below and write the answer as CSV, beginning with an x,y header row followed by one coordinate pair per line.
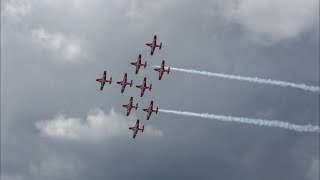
x,y
250,79
258,122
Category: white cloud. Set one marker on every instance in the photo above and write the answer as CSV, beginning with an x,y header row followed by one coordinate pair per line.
x,y
20,8
16,8
67,48
270,21
97,126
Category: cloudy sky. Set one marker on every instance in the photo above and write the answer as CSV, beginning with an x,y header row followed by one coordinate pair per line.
x,y
56,124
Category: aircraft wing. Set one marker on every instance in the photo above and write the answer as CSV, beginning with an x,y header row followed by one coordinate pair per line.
x,y
125,77
128,111
104,75
155,39
134,134
102,85
160,75
142,92
149,114
145,82
122,88
152,50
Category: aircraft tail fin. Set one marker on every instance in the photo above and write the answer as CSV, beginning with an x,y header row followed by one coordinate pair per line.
x,y
142,128
137,106
168,70
110,80
145,64
160,46
150,87
130,83
157,110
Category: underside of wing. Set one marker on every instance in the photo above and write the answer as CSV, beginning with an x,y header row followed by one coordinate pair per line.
x,y
101,86
104,75
134,134
160,75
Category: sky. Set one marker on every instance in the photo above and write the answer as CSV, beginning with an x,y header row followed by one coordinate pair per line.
x,y
56,124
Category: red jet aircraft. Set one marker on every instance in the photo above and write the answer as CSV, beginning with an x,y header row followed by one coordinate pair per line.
x,y
124,82
136,128
103,80
144,86
162,69
153,45
150,110
138,64
129,106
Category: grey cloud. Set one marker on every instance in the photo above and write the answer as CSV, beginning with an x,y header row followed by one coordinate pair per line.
x,y
270,22
35,86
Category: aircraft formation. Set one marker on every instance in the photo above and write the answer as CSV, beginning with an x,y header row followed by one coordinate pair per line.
x,y
149,110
